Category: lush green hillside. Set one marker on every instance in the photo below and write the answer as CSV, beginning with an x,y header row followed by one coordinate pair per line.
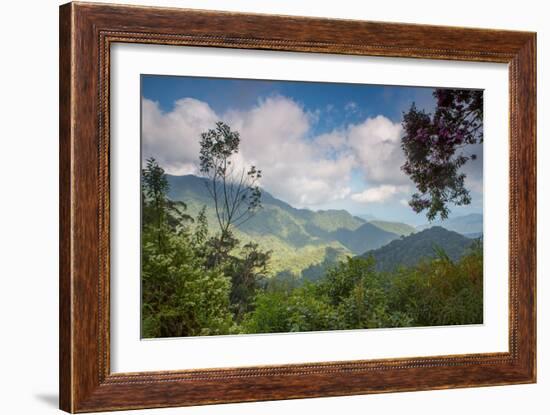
x,y
409,250
299,238
196,284
469,224
394,227
366,237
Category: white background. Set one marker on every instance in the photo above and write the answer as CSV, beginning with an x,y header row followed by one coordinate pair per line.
x,y
129,354
28,209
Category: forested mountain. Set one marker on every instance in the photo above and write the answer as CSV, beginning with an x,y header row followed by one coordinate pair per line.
x,y
365,237
394,227
409,250
304,241
299,238
199,281
468,225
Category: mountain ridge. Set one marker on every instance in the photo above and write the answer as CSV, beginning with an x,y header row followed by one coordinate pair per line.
x,y
409,250
302,236
471,223
303,240
394,227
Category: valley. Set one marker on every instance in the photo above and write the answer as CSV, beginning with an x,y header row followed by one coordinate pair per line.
x,y
305,242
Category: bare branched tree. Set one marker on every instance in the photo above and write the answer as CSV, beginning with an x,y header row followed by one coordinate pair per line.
x,y
235,192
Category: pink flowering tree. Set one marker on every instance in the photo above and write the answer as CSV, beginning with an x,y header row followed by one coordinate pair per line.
x,y
434,149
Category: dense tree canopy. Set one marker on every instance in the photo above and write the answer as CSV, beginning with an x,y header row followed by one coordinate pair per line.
x,y
354,295
433,147
181,296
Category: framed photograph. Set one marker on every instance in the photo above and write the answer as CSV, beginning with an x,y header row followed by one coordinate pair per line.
x,y
260,207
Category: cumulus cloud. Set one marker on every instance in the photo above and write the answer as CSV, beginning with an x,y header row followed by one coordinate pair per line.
x,y
274,137
376,143
378,194
173,137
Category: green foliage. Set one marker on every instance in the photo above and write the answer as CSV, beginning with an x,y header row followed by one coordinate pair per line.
x,y
353,295
316,271
158,210
246,271
271,315
343,279
155,185
236,194
280,310
365,237
442,292
332,220
180,295
194,283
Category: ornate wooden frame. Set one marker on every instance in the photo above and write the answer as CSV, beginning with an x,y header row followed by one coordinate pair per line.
x,y
86,33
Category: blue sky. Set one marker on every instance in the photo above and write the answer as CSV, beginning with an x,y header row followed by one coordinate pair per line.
x,y
320,145
223,94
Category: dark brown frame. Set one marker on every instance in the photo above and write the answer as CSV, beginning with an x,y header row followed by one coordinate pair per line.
x,y
86,33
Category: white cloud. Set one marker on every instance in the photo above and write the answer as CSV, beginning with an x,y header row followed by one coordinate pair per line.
x,y
274,137
378,194
376,143
173,137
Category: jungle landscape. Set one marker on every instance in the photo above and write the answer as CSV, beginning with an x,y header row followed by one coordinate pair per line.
x,y
241,236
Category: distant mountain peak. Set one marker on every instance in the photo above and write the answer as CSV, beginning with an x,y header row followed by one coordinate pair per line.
x,y
408,250
471,223
287,230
